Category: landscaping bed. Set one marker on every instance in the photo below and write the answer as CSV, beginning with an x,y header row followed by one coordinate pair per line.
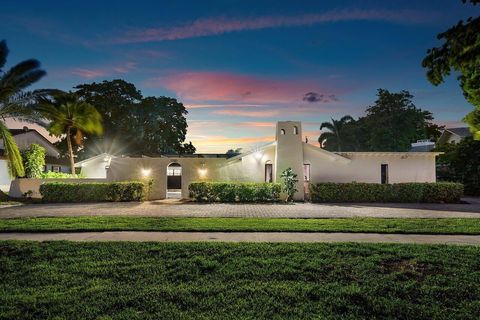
x,y
112,280
234,191
122,223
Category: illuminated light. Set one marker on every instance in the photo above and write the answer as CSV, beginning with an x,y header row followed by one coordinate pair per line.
x,y
107,159
146,172
258,155
202,172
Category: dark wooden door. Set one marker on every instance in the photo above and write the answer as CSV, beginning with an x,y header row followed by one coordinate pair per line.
x,y
174,182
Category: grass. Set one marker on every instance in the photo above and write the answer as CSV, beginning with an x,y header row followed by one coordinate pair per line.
x,y
122,223
121,280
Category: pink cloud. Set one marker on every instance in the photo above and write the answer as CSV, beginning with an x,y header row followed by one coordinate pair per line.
x,y
222,25
89,73
123,68
249,113
240,89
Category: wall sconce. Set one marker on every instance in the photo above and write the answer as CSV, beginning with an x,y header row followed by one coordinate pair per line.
x,y
202,171
258,155
146,172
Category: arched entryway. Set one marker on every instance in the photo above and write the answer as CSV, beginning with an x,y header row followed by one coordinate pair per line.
x,y
174,181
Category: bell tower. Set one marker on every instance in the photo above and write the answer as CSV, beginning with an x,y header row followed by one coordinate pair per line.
x,y
289,152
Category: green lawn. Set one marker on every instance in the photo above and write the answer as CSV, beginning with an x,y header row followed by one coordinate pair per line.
x,y
117,223
122,280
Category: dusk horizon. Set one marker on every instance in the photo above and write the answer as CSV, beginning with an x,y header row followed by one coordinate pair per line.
x,y
239,68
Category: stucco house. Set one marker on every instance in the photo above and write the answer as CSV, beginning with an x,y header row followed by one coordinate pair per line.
x,y
172,174
24,138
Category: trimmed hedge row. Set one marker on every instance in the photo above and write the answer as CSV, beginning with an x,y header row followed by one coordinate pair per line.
x,y
234,192
93,192
440,192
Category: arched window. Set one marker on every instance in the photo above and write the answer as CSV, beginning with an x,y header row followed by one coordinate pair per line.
x,y
282,131
295,130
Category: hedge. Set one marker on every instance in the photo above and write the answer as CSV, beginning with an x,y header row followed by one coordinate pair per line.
x,y
440,192
234,192
93,192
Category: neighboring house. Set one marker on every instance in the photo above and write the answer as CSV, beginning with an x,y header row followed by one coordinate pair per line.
x,y
453,135
24,138
312,164
422,146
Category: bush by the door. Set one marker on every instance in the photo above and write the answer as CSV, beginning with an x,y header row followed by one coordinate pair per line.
x,y
440,192
93,192
234,192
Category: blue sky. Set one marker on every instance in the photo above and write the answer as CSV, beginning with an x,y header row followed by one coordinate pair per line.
x,y
239,66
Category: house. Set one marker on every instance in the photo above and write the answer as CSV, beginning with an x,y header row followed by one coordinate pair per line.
x,y
453,135
171,174
24,138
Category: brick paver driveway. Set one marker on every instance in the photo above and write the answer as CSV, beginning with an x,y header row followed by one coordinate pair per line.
x,y
297,210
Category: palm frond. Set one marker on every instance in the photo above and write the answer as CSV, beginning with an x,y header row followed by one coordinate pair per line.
x,y
14,159
327,125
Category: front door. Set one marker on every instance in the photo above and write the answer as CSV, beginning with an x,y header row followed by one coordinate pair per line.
x,y
174,176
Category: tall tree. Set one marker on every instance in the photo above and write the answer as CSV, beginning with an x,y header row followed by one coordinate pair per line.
x,y
336,136
67,115
459,52
134,124
14,103
394,122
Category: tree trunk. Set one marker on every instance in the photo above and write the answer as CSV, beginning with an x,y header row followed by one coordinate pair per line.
x,y
70,151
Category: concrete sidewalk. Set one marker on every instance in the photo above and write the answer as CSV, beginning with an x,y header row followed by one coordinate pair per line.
x,y
246,237
297,210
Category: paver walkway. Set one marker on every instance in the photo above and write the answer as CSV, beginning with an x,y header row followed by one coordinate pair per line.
x,y
246,237
298,210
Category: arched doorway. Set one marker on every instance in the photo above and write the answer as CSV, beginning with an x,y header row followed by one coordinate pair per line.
x,y
174,180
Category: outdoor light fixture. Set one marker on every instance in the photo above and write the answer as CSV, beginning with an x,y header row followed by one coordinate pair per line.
x,y
202,172
146,172
258,155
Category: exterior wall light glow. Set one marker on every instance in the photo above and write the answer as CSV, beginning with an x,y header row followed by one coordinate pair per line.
x,y
258,155
202,171
146,172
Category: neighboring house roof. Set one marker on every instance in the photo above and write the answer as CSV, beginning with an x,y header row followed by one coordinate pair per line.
x,y
104,155
461,132
32,136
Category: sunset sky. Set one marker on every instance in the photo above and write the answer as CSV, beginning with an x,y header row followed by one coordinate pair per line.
x,y
239,66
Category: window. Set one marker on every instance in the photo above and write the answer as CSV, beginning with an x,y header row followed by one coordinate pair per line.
x,y
306,172
384,173
268,172
282,132
176,171
56,169
295,130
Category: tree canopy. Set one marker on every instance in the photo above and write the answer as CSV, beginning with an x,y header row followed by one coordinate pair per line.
x,y
133,124
460,52
392,123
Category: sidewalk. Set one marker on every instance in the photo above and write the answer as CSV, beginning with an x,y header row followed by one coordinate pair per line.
x,y
246,237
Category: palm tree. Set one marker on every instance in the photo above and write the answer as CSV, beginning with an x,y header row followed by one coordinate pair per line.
x,y
14,103
335,135
67,115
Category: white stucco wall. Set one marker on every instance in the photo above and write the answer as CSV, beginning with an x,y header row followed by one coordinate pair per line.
x,y
131,169
95,168
365,167
4,177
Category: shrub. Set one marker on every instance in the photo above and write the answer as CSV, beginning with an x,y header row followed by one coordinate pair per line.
x,y
234,192
59,175
447,192
33,160
93,192
289,179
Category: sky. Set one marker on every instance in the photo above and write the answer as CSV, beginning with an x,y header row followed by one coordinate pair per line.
x,y
239,66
